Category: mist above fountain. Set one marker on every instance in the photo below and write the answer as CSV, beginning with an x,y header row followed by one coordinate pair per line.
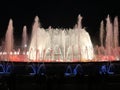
x,y
65,45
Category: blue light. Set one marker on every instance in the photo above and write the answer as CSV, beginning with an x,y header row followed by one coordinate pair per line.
x,y
68,71
41,69
78,70
2,71
107,69
33,69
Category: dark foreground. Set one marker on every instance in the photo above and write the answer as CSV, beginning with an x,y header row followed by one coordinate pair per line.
x,y
54,83
61,76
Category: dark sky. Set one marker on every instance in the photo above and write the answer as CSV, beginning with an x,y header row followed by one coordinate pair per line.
x,y
57,13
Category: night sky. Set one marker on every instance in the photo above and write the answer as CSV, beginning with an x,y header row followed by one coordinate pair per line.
x,y
56,13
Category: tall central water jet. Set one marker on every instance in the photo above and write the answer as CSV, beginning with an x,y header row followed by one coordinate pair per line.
x,y
65,45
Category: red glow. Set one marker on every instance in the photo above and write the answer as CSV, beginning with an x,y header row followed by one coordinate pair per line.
x,y
24,58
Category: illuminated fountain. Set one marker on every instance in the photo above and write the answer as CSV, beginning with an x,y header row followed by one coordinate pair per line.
x,y
66,45
63,45
109,49
9,42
